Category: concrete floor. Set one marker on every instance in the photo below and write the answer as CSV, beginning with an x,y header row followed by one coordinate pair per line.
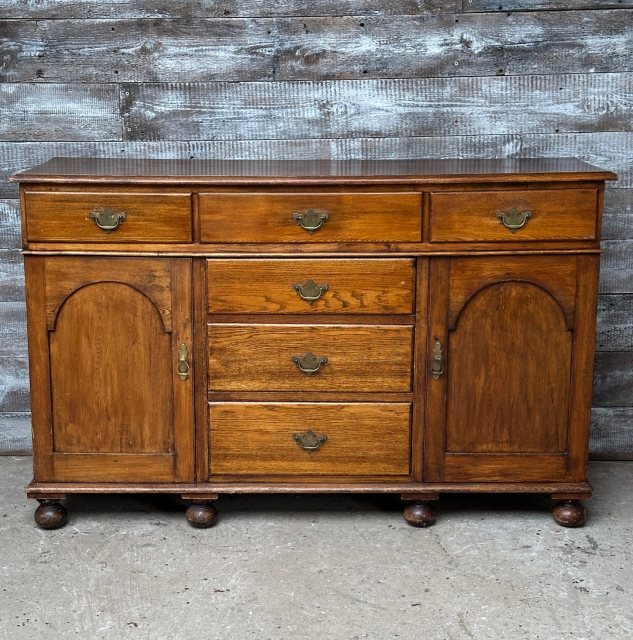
x,y
322,567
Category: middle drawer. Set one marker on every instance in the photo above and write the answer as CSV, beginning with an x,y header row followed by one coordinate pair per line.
x,y
258,357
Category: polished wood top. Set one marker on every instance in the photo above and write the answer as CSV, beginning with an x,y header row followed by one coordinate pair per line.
x,y
217,172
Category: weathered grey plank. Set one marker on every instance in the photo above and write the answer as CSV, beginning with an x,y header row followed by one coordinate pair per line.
x,y
615,323
617,219
611,433
14,384
15,433
36,111
136,50
42,9
10,232
315,48
378,108
543,5
613,379
11,275
456,45
616,266
611,150
13,329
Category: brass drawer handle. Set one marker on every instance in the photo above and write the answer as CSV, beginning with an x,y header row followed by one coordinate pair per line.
x,y
311,220
309,363
107,219
309,441
437,364
310,290
183,367
514,219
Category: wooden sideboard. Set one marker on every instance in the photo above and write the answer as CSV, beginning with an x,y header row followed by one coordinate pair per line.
x,y
211,327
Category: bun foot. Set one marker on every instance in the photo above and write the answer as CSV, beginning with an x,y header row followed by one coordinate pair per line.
x,y
569,513
50,515
201,515
419,514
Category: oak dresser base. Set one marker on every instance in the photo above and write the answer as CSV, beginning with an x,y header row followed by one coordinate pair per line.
x,y
210,327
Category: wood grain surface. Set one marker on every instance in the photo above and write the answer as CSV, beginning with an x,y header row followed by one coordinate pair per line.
x,y
471,274
316,48
382,286
301,173
252,357
32,111
351,217
615,323
471,435
66,216
97,344
10,236
108,347
473,216
257,439
525,363
538,5
206,9
375,108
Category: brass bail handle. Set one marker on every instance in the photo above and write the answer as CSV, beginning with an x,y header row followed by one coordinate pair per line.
x,y
310,291
437,364
309,441
107,219
514,219
183,369
311,220
309,363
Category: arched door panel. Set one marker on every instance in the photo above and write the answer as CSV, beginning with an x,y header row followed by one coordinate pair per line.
x,y
113,408
509,331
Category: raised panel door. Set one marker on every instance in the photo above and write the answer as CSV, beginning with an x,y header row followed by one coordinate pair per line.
x,y
106,346
513,345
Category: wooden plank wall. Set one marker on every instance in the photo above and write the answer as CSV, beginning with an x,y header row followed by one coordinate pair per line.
x,y
326,79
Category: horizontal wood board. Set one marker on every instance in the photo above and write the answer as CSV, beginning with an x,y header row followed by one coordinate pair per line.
x,y
217,8
194,49
377,108
332,80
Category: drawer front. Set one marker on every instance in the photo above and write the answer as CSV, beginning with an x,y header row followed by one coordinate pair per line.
x,y
268,358
326,217
347,439
74,216
311,286
545,214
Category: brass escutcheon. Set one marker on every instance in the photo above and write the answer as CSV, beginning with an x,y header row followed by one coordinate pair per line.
x,y
309,363
308,440
183,367
107,219
310,290
310,220
514,219
437,365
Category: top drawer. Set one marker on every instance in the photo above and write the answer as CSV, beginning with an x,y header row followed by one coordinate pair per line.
x,y
513,216
102,216
311,217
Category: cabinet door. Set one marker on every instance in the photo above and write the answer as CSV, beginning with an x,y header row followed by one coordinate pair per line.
x,y
105,336
514,339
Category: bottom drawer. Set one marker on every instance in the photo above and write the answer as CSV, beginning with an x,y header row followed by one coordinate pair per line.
x,y
303,439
